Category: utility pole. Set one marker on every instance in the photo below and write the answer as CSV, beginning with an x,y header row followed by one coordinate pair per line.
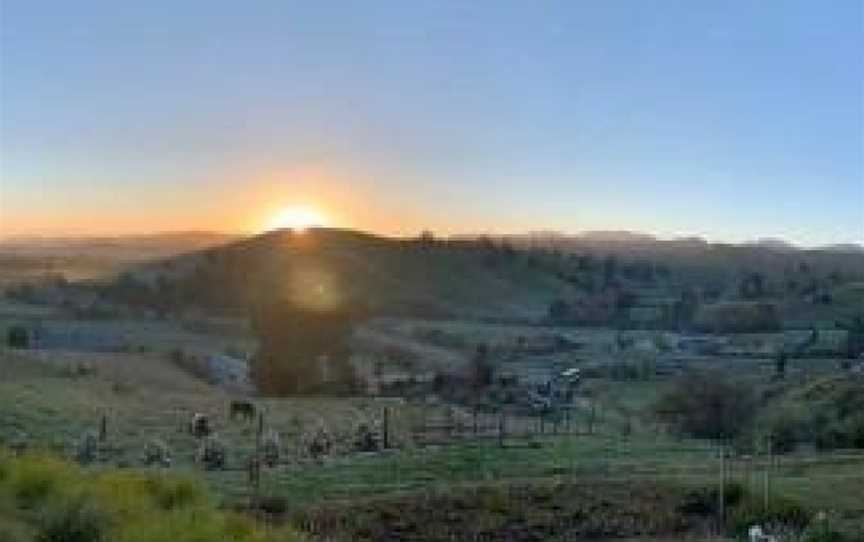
x,y
103,428
766,487
721,505
474,420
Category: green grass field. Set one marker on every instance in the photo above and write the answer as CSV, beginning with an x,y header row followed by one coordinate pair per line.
x,y
145,397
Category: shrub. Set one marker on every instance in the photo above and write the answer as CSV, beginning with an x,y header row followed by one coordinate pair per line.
x,y
703,501
17,337
781,512
707,405
72,521
211,454
34,479
115,506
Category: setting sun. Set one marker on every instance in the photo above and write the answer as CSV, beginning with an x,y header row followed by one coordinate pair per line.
x,y
298,217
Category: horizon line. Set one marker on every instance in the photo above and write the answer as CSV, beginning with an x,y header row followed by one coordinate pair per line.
x,y
765,242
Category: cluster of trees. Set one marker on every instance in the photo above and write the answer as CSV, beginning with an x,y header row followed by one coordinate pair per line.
x,y
828,414
17,336
609,306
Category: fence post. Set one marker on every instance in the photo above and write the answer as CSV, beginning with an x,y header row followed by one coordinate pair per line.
x,y
103,428
766,488
451,421
474,420
386,427
501,429
721,504
259,436
542,423
254,474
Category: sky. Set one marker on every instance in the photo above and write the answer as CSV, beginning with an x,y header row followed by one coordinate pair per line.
x,y
729,120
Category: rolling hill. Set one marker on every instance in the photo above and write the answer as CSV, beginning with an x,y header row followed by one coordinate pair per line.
x,y
324,268
627,280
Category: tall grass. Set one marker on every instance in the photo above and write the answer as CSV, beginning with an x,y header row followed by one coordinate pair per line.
x,y
46,499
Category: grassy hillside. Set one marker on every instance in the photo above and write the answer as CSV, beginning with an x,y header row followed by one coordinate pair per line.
x,y
606,282
340,268
647,283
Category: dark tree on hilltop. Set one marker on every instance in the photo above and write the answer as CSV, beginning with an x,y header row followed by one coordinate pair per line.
x,y
752,286
426,239
302,350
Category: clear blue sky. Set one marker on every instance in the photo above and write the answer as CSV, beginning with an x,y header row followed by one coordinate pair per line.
x,y
732,120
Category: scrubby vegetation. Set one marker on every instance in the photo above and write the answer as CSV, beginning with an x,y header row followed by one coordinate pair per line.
x,y
827,414
49,500
707,404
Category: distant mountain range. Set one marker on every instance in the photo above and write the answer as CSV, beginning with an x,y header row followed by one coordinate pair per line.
x,y
626,237
149,239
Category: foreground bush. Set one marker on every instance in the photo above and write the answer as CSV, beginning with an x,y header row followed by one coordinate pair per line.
x,y
50,500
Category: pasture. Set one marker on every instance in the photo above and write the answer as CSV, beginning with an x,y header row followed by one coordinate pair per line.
x,y
47,401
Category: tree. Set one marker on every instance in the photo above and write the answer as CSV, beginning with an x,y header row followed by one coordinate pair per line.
x,y
855,335
707,405
18,337
481,368
558,311
780,362
679,314
426,239
752,286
